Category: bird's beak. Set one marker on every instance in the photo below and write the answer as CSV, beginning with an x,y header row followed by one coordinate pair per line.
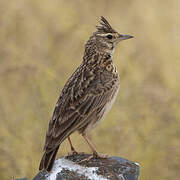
x,y
124,36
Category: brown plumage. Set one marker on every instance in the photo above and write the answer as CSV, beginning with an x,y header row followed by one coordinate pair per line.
x,y
88,94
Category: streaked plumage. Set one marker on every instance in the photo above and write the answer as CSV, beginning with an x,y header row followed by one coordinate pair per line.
x,y
88,94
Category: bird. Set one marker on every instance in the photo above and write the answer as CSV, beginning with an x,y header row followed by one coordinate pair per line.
x,y
87,96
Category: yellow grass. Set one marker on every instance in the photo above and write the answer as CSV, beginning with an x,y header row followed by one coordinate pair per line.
x,y
42,43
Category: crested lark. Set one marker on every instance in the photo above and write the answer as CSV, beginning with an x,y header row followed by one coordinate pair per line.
x,y
88,94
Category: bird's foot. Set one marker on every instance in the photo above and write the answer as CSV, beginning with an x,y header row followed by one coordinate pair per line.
x,y
95,155
72,153
98,155
75,153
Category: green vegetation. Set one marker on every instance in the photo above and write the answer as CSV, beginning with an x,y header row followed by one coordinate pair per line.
x,y
42,43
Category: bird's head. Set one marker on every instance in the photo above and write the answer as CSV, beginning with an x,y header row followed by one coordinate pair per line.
x,y
106,37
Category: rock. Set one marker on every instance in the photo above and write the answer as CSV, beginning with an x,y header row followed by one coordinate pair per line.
x,y
69,168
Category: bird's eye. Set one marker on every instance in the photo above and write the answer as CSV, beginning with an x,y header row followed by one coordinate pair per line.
x,y
109,36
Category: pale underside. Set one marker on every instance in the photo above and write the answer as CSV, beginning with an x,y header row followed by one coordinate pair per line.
x,y
104,111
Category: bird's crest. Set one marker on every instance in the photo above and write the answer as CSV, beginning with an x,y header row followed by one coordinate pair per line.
x,y
104,26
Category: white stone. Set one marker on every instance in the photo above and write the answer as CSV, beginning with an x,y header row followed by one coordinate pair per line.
x,y
63,163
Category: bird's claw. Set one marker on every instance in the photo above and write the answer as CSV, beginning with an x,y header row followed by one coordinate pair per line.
x,y
75,153
95,156
72,153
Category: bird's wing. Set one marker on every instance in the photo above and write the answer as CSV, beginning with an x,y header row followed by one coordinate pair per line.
x,y
83,94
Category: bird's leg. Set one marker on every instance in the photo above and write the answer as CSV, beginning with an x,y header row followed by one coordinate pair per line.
x,y
90,144
95,153
73,151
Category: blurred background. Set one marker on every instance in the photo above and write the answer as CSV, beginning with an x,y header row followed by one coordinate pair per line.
x,y
42,43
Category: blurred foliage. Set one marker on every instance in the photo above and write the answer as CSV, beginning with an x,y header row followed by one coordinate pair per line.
x,y
42,43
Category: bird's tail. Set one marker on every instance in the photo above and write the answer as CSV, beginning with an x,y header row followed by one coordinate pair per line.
x,y
48,159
